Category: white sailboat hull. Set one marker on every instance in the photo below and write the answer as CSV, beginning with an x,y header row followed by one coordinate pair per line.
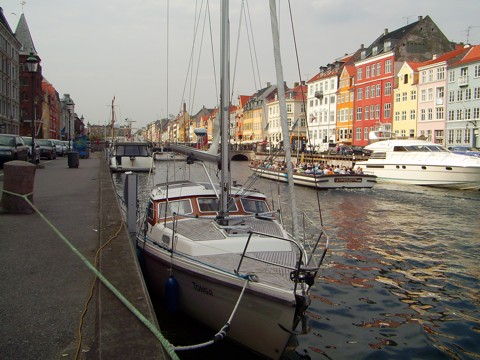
x,y
210,297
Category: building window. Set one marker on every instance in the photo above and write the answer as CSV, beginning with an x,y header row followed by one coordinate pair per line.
x,y
423,95
359,113
468,94
468,114
359,94
367,92
388,66
459,114
430,114
367,113
367,72
397,97
451,115
440,73
476,113
379,72
388,88
377,87
413,95
451,96
422,115
423,76
404,96
476,93
440,93
372,91
359,74
439,113
430,75
451,76
397,116
476,71
387,110
358,133
460,95
377,111
404,115
430,94
412,114
365,133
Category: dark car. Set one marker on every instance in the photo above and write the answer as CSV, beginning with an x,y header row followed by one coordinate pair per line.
x,y
47,149
28,142
12,147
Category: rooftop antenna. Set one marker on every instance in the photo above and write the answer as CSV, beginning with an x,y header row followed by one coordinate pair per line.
x,y
407,18
467,31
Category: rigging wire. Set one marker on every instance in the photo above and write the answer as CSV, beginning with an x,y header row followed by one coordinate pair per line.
x,y
303,96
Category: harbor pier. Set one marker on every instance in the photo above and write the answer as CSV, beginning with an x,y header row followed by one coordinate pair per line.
x,y
53,304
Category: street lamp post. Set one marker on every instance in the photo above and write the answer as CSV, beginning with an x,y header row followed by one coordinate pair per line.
x,y
70,107
32,65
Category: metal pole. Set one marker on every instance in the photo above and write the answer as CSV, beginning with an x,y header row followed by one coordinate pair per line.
x,y
33,120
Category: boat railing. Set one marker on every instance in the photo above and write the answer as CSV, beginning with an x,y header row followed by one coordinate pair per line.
x,y
300,273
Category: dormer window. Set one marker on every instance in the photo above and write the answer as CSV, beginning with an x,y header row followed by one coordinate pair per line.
x,y
375,50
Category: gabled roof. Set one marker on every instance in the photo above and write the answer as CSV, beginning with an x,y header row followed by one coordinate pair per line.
x,y
22,33
448,56
472,55
4,22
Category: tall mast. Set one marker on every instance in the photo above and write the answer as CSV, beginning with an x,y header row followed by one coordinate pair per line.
x,y
113,119
283,116
224,113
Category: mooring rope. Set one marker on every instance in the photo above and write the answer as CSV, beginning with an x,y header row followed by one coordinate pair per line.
x,y
153,329
222,333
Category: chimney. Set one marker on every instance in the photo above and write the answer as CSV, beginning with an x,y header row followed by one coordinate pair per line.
x,y
434,56
184,107
295,84
420,18
362,46
385,32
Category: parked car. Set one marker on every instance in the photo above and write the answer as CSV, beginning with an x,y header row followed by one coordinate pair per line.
x,y
47,149
59,147
12,147
28,142
465,150
64,146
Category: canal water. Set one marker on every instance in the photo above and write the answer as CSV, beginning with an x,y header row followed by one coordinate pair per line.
x,y
401,278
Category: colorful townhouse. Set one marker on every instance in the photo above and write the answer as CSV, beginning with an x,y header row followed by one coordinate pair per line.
x,y
242,100
254,120
322,106
405,101
463,88
296,118
346,102
378,66
432,96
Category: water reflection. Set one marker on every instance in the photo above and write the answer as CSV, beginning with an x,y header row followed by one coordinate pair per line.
x,y
401,278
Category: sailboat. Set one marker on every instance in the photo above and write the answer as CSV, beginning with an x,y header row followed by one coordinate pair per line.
x,y
220,254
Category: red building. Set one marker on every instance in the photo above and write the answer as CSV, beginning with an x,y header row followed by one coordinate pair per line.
x,y
377,68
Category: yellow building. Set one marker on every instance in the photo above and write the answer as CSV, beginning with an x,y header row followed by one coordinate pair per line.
x,y
405,103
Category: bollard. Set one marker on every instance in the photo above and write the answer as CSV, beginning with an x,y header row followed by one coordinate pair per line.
x,y
19,178
73,159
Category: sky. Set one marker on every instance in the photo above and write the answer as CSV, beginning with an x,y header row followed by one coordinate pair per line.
x,y
155,55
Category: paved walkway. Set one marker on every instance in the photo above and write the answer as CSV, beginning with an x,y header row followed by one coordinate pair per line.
x,y
44,285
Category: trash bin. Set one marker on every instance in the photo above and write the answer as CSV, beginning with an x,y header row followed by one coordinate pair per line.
x,y
73,159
